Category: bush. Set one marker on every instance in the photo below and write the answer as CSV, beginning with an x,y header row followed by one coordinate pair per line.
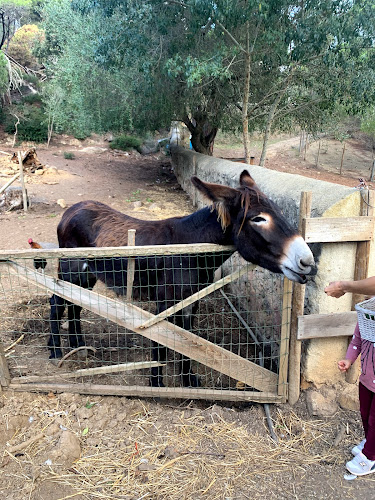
x,y
22,43
126,142
32,127
4,74
32,99
68,155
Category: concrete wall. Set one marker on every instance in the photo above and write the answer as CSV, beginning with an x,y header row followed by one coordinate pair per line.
x,y
335,260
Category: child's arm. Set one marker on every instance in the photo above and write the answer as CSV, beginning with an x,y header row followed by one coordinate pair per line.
x,y
352,353
339,288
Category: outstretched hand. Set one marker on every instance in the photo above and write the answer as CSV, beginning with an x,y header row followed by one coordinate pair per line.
x,y
334,289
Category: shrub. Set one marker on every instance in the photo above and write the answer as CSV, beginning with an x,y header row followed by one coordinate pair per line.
x,y
32,127
22,43
4,74
32,99
126,142
68,155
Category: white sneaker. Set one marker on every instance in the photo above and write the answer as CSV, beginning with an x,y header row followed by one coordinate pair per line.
x,y
361,465
358,448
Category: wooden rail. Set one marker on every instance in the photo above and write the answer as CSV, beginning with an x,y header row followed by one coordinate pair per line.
x,y
128,251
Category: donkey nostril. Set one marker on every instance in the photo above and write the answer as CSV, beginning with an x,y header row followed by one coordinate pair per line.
x,y
306,262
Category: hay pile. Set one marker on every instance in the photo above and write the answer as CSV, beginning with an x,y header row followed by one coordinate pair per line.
x,y
131,449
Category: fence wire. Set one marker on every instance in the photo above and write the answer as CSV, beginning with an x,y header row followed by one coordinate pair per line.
x,y
243,322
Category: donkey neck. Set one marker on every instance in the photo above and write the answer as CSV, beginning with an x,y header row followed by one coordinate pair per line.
x,y
202,227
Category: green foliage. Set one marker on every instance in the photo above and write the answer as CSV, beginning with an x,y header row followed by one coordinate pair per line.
x,y
84,95
68,155
32,126
32,99
4,74
126,142
22,44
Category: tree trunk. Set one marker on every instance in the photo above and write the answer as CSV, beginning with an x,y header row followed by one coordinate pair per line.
x,y
245,101
267,131
202,133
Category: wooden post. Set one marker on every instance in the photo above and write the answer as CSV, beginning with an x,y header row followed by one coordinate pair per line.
x,y
362,257
298,301
24,194
252,160
4,370
131,267
282,386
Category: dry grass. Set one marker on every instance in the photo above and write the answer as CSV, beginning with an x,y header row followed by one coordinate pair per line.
x,y
185,453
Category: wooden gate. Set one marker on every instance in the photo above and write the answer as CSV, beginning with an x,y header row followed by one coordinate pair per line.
x,y
266,386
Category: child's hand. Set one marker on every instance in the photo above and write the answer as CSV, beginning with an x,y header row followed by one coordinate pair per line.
x,y
344,365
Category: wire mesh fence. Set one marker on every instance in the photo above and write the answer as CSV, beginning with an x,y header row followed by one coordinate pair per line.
x,y
150,324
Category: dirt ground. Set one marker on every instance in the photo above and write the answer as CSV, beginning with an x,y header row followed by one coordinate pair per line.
x,y
55,447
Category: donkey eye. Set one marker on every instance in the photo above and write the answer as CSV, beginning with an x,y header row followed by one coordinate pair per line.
x,y
258,219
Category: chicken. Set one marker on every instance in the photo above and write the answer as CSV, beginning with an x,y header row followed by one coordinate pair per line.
x,y
40,263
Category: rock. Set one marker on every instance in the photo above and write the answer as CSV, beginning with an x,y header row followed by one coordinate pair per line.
x,y
51,171
93,150
154,207
348,399
61,202
39,171
12,199
108,137
66,451
320,406
137,204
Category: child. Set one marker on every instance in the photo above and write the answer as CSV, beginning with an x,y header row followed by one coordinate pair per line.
x,y
364,453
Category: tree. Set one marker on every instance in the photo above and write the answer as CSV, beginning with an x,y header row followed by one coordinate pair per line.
x,y
250,65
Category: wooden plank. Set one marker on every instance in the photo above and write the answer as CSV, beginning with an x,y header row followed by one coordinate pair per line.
x,y
199,295
24,194
165,333
131,267
282,385
298,301
315,326
86,372
7,184
150,392
362,259
128,251
338,229
4,370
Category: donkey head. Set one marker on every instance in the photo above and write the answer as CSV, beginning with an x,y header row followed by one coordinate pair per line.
x,y
260,232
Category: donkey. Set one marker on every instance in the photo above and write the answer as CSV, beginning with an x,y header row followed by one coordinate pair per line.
x,y
243,217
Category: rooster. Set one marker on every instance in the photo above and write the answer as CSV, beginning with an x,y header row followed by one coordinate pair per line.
x,y
40,263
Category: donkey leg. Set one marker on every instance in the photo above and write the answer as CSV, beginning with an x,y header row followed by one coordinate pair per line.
x,y
159,354
189,379
56,313
74,319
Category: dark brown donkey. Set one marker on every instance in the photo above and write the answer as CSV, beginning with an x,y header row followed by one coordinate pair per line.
x,y
242,217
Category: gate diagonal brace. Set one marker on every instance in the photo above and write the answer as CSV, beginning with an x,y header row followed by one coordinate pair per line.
x,y
198,295
165,333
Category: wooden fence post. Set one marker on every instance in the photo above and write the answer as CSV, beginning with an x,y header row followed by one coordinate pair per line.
x,y
298,301
24,194
362,257
4,370
131,267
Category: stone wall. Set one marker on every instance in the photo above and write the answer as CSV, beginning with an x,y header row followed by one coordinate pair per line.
x,y
335,260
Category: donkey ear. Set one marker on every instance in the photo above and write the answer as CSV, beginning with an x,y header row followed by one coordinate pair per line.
x,y
246,180
215,192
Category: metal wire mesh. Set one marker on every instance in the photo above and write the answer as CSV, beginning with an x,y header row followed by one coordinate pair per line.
x,y
235,331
